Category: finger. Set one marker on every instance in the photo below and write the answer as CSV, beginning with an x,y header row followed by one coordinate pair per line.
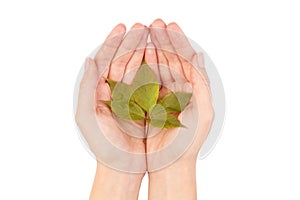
x,y
151,60
196,66
164,70
163,65
162,41
161,38
200,85
182,46
136,59
88,84
125,51
198,60
108,49
103,90
180,42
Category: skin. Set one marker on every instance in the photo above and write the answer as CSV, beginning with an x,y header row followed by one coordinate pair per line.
x,y
180,176
120,54
91,111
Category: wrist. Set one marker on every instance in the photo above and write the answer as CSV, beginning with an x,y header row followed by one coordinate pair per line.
x,y
179,177
179,167
122,184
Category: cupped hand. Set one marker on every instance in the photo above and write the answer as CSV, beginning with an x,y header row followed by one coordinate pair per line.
x,y
120,54
180,69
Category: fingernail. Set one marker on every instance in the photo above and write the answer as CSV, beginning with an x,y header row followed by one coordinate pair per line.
x,y
87,63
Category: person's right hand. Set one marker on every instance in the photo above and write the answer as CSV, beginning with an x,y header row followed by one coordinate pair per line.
x,y
118,55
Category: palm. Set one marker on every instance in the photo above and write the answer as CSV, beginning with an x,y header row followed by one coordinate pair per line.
x,y
114,131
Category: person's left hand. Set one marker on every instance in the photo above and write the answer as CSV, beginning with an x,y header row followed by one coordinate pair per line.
x,y
180,69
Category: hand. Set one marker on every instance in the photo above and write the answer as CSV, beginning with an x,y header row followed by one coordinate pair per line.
x,y
172,59
175,151
112,147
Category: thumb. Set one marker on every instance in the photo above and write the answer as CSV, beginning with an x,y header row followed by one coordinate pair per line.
x,y
200,82
198,60
87,90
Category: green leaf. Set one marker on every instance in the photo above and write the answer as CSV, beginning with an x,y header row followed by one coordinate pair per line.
x,y
143,76
158,116
111,84
146,96
161,119
121,109
136,112
132,102
146,88
127,110
172,122
175,101
121,92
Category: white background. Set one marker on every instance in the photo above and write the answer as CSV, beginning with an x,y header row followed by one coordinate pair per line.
x,y
254,44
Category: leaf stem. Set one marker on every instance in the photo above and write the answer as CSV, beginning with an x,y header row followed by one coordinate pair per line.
x,y
145,139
